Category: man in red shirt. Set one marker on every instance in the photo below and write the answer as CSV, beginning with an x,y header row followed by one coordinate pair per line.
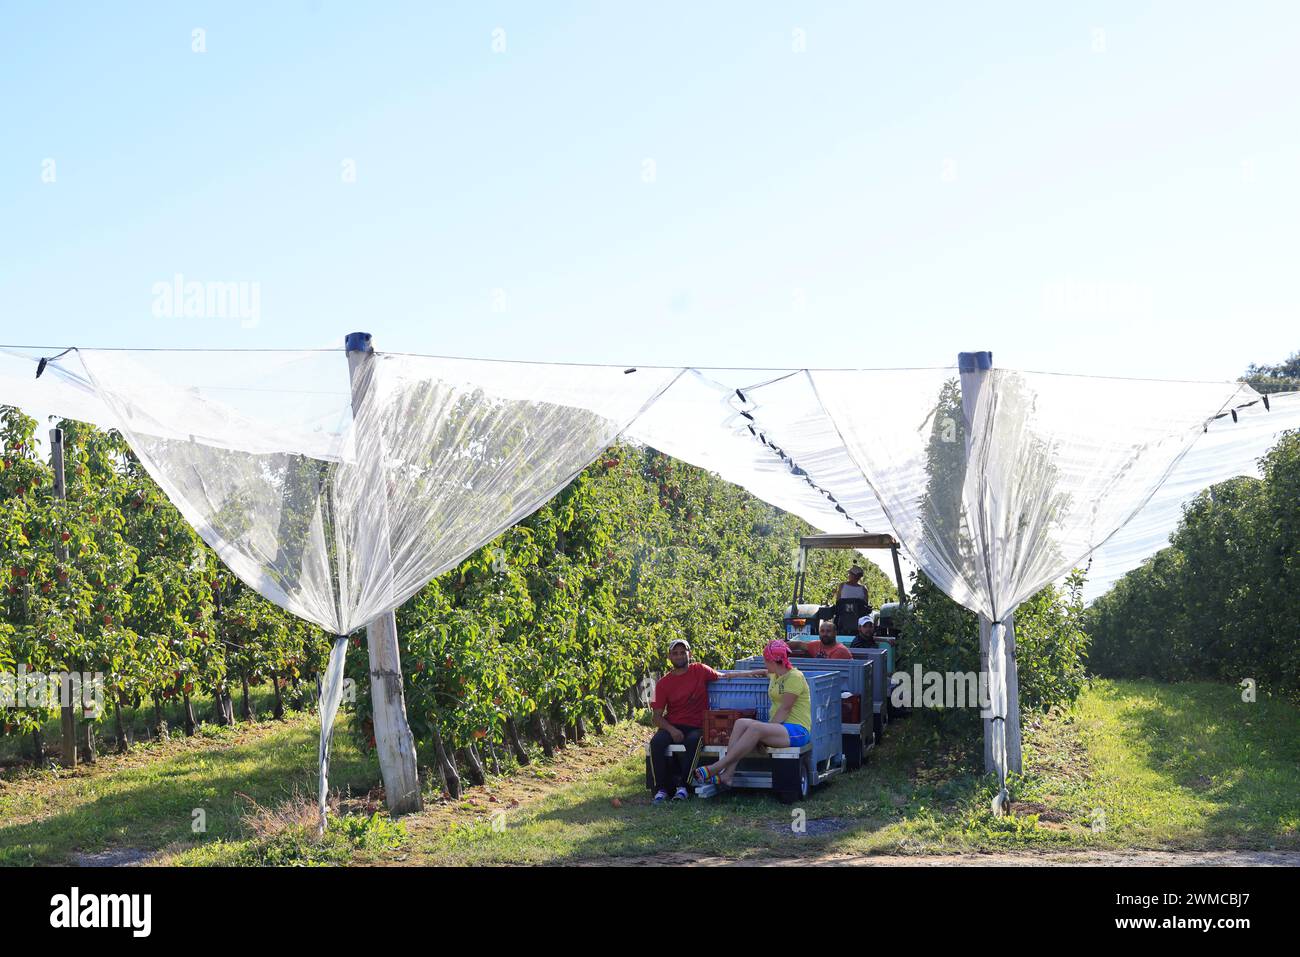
x,y
681,698
827,645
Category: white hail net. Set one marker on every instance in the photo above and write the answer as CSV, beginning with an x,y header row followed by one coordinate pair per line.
x,y
338,496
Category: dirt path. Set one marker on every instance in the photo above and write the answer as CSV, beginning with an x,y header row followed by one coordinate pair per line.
x,y
526,786
1018,859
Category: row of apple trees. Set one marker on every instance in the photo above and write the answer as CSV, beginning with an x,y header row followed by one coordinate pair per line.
x,y
108,579
1222,602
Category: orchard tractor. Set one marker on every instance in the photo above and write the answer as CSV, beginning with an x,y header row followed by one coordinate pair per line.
x,y
802,620
850,697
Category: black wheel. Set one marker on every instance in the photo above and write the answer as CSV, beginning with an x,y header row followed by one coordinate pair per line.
x,y
790,795
853,753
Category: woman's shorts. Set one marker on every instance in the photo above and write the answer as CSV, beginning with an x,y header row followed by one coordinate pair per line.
x,y
799,735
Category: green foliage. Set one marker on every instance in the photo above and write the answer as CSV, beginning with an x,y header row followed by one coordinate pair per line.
x,y
1281,377
301,846
941,634
1223,600
112,580
1051,644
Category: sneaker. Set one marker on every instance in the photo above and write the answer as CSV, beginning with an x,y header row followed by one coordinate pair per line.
x,y
680,795
661,796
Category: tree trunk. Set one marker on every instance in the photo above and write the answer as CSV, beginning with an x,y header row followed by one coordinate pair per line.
x,y
278,711
88,743
633,699
557,722
225,708
450,779
611,716
159,722
38,748
492,759
473,769
539,732
68,726
123,743
579,730
245,709
190,723
516,745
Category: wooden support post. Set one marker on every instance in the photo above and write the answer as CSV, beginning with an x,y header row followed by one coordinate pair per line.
x,y
67,712
393,738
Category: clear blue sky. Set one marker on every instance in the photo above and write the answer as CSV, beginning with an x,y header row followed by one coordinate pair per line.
x,y
1091,187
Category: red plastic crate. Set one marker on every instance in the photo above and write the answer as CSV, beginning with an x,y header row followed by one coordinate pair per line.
x,y
851,708
719,721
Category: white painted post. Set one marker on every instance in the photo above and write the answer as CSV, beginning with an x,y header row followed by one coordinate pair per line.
x,y
393,738
974,368
985,627
1013,699
1013,696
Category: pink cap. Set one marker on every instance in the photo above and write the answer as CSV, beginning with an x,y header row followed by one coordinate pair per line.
x,y
777,651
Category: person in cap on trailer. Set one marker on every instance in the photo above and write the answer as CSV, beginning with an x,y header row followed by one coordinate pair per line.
x,y
866,637
826,646
853,588
681,697
789,717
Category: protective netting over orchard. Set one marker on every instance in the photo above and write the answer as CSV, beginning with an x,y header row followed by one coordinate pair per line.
x,y
337,489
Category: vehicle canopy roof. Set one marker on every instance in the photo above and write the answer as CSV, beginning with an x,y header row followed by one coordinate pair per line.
x,y
851,540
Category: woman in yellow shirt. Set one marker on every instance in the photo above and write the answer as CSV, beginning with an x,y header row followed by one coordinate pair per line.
x,y
789,718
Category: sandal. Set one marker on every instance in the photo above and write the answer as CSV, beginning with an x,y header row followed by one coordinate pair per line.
x,y
704,777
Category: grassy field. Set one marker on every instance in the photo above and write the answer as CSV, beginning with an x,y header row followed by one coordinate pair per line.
x,y
1132,765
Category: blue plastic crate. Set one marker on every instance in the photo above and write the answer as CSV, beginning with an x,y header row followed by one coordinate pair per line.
x,y
879,676
740,694
856,671
825,689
